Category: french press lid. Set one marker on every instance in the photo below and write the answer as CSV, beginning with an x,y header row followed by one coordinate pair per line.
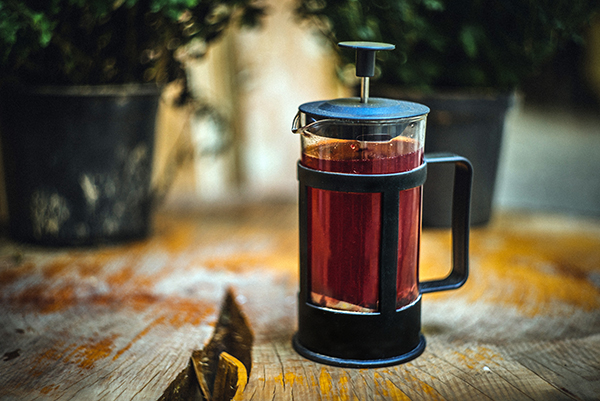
x,y
362,118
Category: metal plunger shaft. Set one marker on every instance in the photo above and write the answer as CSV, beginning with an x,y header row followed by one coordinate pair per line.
x,y
365,62
364,90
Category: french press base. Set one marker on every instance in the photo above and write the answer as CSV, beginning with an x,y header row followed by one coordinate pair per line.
x,y
379,340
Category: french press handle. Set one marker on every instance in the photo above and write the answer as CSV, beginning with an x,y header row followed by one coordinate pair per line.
x,y
461,213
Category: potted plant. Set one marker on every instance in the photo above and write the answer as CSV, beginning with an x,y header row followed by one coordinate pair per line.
x,y
464,60
80,83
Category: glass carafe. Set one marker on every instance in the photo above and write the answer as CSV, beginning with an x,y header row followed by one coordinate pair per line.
x,y
344,229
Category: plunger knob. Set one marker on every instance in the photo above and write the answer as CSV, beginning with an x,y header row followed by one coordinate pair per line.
x,y
365,62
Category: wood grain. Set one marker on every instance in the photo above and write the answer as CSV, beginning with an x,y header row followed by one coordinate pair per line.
x,y
120,322
525,327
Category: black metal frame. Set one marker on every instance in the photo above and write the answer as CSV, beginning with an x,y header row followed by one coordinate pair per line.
x,y
388,336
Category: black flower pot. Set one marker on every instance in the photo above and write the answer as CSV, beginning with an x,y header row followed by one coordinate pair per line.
x,y
467,124
78,163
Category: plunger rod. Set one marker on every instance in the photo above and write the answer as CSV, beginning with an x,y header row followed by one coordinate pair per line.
x,y
364,90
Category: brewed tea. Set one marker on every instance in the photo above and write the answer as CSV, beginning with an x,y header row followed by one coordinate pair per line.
x,y
344,229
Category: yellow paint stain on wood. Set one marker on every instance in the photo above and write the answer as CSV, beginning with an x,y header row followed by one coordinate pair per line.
x,y
526,271
279,255
474,358
431,393
279,380
313,382
53,354
388,389
344,389
176,312
519,272
185,311
325,381
291,378
48,357
332,389
537,292
419,385
48,389
87,354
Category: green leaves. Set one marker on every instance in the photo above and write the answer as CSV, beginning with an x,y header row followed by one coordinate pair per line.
x,y
109,41
470,36
17,17
44,27
444,43
8,26
434,5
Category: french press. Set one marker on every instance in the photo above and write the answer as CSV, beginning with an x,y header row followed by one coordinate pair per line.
x,y
361,172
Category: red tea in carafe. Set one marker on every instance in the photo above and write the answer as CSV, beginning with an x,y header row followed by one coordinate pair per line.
x,y
344,229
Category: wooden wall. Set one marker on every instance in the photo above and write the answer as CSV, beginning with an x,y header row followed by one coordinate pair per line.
x,y
256,79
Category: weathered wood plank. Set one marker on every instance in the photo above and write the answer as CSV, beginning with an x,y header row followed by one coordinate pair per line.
x,y
119,323
445,373
572,366
470,332
491,372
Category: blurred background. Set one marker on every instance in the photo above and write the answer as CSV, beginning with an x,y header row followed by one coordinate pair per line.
x,y
257,79
237,146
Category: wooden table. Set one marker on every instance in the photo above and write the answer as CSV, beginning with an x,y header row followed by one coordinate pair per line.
x,y
120,322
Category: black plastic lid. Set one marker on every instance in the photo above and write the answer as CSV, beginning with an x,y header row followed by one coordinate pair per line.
x,y
378,109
